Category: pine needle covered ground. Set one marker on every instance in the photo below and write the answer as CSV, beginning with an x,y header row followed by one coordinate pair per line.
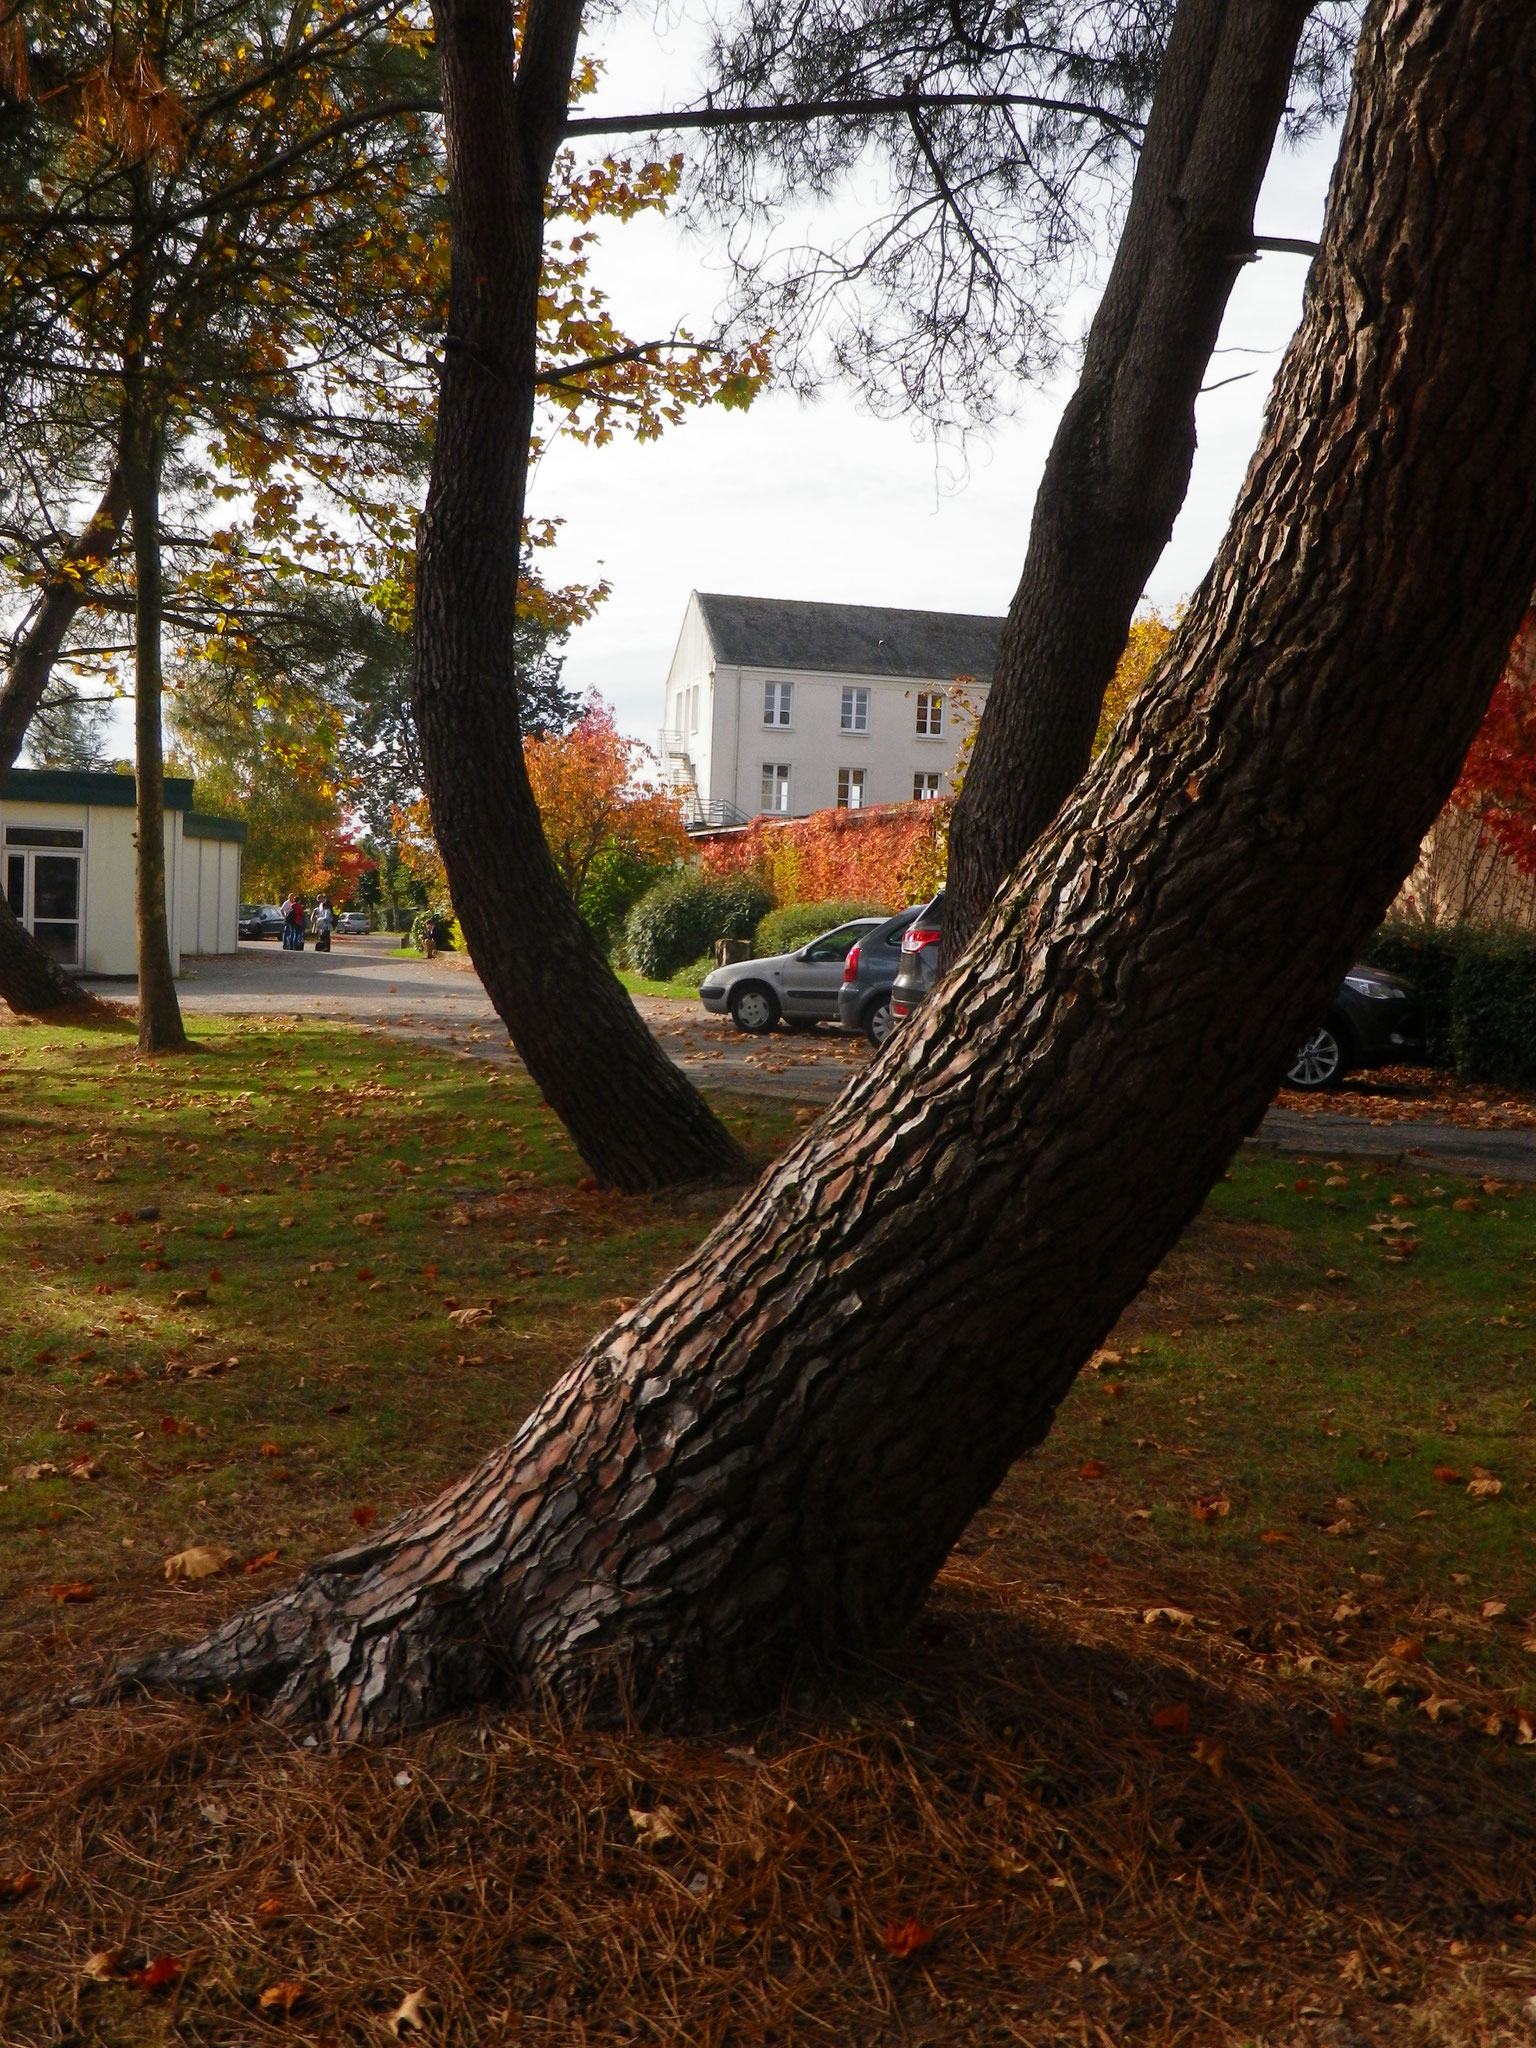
x,y
1220,1726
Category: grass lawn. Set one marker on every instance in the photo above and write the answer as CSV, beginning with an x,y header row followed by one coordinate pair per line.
x,y
1220,1725
675,991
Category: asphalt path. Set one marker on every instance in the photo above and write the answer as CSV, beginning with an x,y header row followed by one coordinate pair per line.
x,y
441,1003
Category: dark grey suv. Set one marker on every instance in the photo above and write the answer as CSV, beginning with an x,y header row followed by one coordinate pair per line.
x,y
864,1000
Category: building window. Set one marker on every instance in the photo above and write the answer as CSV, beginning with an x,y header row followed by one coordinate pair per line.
x,y
850,789
776,703
930,714
925,787
693,709
855,716
776,783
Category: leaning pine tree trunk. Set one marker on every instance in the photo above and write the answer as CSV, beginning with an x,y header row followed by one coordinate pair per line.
x,y
31,981
635,1118
1119,466
765,1463
160,1025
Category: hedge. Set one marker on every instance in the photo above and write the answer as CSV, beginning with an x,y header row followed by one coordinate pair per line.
x,y
781,931
1478,989
681,919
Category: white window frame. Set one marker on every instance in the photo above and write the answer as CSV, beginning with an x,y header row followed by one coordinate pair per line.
x,y
930,714
852,786
693,709
927,785
854,715
778,707
776,782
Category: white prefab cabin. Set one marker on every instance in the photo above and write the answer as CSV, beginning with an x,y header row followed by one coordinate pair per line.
x,y
783,707
68,854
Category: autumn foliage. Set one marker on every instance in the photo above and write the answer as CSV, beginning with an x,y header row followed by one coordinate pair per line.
x,y
893,854
589,789
1498,780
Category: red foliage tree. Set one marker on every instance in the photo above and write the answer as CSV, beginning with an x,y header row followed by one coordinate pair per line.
x,y
1498,780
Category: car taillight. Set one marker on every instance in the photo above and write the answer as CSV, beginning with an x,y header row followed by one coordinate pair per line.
x,y
851,965
917,937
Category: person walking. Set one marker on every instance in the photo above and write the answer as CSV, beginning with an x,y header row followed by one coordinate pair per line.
x,y
325,924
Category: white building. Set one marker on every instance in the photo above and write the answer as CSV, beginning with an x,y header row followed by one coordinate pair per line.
x,y
778,706
67,845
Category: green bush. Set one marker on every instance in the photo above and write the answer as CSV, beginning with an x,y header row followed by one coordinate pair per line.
x,y
681,918
781,931
615,883
1478,989
443,926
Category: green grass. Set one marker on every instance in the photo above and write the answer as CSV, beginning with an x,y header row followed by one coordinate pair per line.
x,y
676,991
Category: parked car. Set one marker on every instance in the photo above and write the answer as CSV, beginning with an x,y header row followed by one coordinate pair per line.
x,y
919,966
260,921
354,923
1374,1020
864,1000
800,987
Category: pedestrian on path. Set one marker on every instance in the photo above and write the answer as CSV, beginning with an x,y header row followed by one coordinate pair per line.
x,y
293,923
325,924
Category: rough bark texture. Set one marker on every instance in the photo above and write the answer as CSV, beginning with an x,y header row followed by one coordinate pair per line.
x,y
765,1463
160,1025
636,1120
1119,466
31,981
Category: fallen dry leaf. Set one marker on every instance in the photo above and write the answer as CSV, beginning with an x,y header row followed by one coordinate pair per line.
x,y
1486,1488
1438,1704
259,1564
44,1470
1378,1760
1173,1617
1525,1726
283,1997
271,1908
904,1937
653,1828
1091,1468
407,2014
470,1318
104,1965
156,1975
1407,1650
72,1592
1172,1720
18,1886
201,1561
1448,1475
365,1517
1210,1507
1492,1609
189,1297
272,1451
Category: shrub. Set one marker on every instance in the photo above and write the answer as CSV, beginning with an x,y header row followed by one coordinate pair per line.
x,y
1478,990
443,926
781,931
681,918
615,883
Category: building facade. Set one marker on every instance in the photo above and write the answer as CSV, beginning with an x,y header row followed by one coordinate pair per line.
x,y
782,707
67,858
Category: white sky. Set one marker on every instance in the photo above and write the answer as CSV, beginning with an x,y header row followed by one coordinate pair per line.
x,y
821,501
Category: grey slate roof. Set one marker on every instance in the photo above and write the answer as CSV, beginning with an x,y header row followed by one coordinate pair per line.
x,y
851,639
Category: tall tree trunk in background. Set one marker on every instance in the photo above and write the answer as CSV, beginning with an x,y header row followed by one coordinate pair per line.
x,y
31,981
1119,466
766,1462
635,1119
160,1025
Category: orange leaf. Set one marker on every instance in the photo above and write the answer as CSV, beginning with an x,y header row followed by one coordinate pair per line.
x,y
1092,1468
1337,1721
271,1450
71,1592
1172,1720
1209,1752
17,1887
1276,1536
259,1564
1407,1650
364,1516
901,1937
283,1997
156,1975
272,1908
1447,1475
1210,1507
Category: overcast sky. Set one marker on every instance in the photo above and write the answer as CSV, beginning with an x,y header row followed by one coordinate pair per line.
x,y
821,501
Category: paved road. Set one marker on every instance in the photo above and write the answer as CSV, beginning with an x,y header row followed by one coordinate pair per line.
x,y
441,1002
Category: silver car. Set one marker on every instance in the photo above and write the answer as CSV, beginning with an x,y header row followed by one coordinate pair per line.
x,y
800,987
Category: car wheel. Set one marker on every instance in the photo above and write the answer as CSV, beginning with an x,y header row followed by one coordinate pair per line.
x,y
1320,1062
754,1008
879,1021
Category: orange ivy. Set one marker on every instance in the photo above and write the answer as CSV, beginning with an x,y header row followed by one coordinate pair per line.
x,y
894,854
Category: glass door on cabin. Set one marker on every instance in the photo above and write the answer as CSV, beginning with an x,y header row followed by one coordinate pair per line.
x,y
43,886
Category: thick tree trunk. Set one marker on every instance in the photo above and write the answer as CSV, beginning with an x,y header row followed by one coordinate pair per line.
x,y
31,981
160,1025
1119,466
766,1462
636,1120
